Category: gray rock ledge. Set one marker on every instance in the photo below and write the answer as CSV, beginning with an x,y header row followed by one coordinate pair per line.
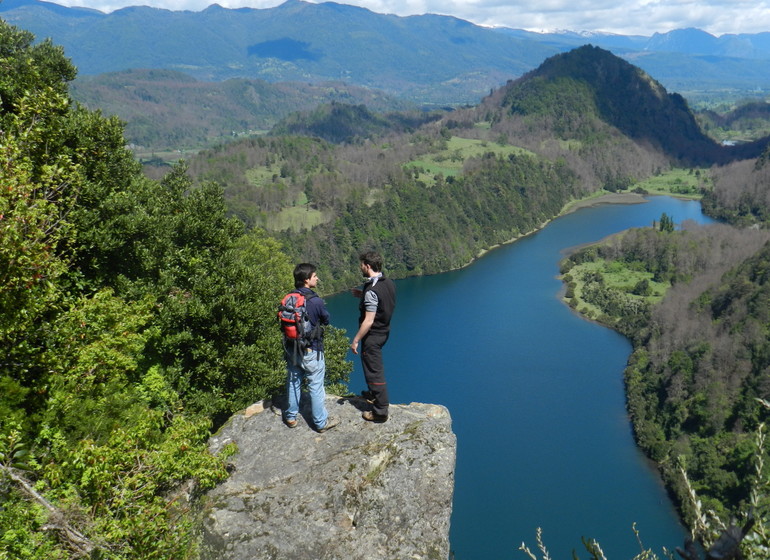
x,y
358,491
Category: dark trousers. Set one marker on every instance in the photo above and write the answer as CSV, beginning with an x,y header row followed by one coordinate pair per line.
x,y
374,371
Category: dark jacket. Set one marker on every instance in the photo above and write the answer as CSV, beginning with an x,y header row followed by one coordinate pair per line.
x,y
386,304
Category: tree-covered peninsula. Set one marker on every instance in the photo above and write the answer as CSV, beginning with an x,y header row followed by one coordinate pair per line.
x,y
694,301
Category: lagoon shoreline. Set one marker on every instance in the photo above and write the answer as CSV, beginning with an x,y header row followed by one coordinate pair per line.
x,y
590,201
609,198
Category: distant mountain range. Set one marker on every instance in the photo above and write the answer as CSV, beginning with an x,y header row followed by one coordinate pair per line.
x,y
428,59
682,41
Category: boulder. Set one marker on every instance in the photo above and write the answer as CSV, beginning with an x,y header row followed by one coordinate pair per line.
x,y
360,490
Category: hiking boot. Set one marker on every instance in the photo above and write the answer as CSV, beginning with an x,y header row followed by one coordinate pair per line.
x,y
370,416
291,423
331,421
368,396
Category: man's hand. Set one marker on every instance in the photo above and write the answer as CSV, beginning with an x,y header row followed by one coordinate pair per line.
x,y
363,329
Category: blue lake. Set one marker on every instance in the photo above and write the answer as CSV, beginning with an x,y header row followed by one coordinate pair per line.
x,y
535,393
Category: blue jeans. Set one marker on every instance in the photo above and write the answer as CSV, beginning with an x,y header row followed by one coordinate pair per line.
x,y
311,366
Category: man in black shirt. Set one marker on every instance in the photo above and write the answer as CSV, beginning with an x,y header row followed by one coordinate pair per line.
x,y
378,300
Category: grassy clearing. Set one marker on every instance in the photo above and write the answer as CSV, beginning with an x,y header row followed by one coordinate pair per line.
x,y
449,162
677,182
296,218
259,176
617,276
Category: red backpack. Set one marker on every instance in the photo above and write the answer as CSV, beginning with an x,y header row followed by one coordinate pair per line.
x,y
294,320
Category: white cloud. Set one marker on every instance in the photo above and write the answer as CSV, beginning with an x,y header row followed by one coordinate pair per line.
x,y
628,17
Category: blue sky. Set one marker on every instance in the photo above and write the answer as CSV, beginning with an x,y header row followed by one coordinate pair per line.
x,y
626,17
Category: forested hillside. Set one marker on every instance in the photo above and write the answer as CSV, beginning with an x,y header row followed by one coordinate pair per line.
x,y
741,194
474,178
134,317
593,81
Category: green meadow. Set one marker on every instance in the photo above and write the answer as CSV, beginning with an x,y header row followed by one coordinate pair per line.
x,y
449,161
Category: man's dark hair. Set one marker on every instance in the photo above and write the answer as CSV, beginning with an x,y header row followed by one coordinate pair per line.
x,y
373,259
302,272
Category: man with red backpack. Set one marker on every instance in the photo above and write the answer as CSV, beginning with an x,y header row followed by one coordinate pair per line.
x,y
303,348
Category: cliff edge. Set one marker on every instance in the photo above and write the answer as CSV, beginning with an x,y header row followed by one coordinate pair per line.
x,y
358,491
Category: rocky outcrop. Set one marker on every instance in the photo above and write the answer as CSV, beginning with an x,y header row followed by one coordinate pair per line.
x,y
358,491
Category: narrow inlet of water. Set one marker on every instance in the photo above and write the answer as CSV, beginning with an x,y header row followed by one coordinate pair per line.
x,y
535,393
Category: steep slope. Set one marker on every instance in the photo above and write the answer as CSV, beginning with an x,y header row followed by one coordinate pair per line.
x,y
697,42
589,82
692,41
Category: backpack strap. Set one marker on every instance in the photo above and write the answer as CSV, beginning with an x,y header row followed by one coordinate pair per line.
x,y
318,329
